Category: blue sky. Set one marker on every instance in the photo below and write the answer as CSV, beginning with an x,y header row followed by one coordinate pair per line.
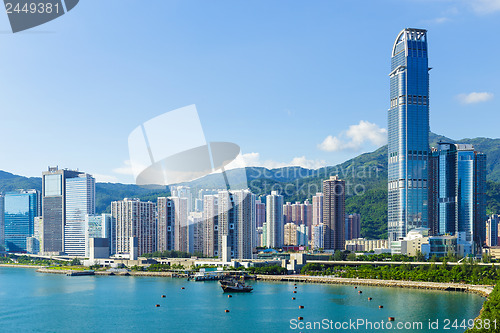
x,y
291,82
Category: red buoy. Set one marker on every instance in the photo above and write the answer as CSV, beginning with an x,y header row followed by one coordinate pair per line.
x,y
229,296
157,305
391,318
226,310
293,298
301,306
380,306
300,318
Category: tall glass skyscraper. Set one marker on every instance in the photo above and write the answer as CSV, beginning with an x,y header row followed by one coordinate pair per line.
x,y
408,142
457,193
21,208
80,201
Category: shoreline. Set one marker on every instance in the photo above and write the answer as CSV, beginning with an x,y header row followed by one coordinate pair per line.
x,y
21,266
482,290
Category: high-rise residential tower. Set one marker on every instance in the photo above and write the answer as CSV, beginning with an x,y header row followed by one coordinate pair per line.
x,y
408,129
211,225
317,210
236,220
334,213
274,220
134,218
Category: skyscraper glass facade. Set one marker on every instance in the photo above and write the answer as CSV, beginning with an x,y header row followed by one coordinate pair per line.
x,y
20,211
408,141
80,201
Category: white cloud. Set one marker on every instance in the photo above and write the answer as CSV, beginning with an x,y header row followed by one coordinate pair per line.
x,y
355,137
253,159
475,97
125,169
437,20
105,178
485,6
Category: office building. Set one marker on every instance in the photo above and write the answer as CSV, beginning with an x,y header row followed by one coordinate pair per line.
x,y
97,226
408,134
457,192
136,220
80,201
54,208
20,209
274,220
334,213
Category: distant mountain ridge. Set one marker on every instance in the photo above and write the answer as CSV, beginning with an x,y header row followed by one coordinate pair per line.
x,y
365,175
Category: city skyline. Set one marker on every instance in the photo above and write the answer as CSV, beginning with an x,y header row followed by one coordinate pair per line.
x,y
275,78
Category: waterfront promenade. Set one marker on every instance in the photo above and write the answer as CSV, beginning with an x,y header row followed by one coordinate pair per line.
x,y
483,290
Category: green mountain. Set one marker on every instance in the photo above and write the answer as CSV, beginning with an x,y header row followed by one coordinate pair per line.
x,y
365,176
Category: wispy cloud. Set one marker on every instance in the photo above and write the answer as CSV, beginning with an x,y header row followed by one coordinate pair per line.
x,y
437,20
475,97
125,169
254,159
105,178
485,6
355,138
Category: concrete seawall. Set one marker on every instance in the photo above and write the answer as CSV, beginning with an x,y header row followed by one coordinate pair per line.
x,y
20,266
482,290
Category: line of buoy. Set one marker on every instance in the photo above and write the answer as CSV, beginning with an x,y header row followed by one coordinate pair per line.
x,y
391,318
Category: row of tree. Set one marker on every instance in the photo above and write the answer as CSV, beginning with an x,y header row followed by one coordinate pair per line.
x,y
463,273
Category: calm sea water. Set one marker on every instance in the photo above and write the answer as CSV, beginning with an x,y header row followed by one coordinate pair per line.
x,y
35,302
